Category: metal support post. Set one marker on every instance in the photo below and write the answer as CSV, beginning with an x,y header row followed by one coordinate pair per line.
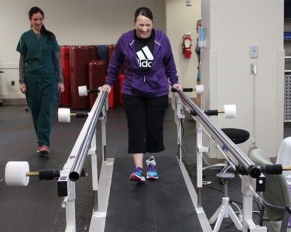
x,y
199,155
247,200
179,117
103,132
179,140
94,163
69,204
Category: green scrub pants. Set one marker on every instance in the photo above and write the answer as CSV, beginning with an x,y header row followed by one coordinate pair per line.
x,y
40,92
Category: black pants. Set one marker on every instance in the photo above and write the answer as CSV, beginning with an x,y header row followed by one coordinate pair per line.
x,y
145,121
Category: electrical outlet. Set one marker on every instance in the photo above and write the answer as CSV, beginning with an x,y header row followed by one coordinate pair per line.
x,y
12,83
253,68
188,2
253,51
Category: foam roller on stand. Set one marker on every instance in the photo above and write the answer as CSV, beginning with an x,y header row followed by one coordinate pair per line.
x,y
16,173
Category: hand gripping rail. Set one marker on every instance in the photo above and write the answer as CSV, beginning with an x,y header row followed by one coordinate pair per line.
x,y
247,165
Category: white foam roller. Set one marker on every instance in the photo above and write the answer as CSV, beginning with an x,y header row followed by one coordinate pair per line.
x,y
199,89
15,173
64,115
82,91
229,111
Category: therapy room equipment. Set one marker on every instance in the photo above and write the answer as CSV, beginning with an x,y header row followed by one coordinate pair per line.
x,y
112,187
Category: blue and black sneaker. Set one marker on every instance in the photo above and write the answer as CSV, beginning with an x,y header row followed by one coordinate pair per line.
x,y
137,175
152,171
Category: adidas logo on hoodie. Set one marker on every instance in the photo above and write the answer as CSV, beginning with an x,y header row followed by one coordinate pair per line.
x,y
145,58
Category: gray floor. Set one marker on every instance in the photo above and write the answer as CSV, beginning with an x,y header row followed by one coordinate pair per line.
x,y
37,208
162,205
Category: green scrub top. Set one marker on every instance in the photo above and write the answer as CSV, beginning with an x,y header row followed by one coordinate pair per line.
x,y
38,52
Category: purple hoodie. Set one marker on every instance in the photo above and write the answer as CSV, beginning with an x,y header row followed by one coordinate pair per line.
x,y
154,82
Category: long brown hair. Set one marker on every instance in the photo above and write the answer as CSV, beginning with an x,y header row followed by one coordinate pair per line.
x,y
43,30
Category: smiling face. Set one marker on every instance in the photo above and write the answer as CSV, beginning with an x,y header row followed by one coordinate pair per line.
x,y
143,27
36,21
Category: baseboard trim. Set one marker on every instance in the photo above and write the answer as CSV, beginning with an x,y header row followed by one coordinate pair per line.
x,y
14,102
22,101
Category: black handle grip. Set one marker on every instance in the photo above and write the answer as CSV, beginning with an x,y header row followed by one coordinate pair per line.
x,y
272,169
187,89
48,174
211,112
93,91
184,90
81,115
207,112
193,113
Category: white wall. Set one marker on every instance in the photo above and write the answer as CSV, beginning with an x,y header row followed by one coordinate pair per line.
x,y
75,22
181,19
92,22
232,27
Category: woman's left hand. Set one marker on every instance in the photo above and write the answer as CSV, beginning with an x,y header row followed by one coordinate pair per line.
x,y
178,87
61,87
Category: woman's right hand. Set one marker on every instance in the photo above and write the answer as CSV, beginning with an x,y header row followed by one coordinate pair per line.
x,y
22,88
106,88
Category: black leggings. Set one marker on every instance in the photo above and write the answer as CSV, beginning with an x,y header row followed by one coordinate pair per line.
x,y
145,121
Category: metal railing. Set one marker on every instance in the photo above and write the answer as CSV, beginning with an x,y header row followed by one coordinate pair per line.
x,y
74,167
244,165
82,145
248,165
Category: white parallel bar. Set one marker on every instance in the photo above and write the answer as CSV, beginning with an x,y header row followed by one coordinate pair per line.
x,y
98,218
81,146
70,210
243,159
103,134
203,121
94,165
93,153
75,161
199,155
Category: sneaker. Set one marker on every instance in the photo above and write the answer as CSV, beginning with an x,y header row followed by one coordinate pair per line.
x,y
137,175
152,172
43,150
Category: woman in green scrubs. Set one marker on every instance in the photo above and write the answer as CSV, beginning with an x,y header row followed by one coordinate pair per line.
x,y
40,75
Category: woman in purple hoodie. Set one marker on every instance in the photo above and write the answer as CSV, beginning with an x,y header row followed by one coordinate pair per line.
x,y
149,70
